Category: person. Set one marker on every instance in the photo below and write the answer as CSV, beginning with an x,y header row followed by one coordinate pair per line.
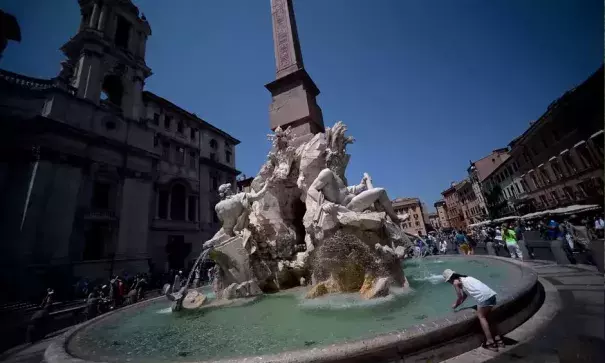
x,y
443,247
486,299
557,232
519,229
48,300
176,286
510,238
461,242
472,243
92,304
497,239
599,226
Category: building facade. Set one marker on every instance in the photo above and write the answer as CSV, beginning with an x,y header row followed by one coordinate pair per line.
x,y
441,208
558,160
454,207
477,172
98,176
502,190
413,207
434,221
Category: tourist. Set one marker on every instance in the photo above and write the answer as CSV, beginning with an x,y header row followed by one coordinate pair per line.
x,y
486,300
472,243
461,242
443,247
48,300
557,232
497,240
510,237
92,304
519,229
176,286
599,226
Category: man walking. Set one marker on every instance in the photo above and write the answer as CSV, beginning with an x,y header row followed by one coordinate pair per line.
x,y
510,238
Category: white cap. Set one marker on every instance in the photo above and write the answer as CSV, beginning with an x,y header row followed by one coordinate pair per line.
x,y
447,274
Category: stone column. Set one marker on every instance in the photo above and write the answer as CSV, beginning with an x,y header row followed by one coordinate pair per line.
x,y
103,17
168,217
187,208
157,204
142,43
95,16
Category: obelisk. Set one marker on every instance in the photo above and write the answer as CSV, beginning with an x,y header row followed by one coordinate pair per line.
x,y
293,91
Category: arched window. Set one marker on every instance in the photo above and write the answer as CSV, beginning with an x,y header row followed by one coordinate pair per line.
x,y
112,90
177,202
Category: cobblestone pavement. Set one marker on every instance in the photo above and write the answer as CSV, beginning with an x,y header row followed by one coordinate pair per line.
x,y
575,335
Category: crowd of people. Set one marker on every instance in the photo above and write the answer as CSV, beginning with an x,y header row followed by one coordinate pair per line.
x,y
576,233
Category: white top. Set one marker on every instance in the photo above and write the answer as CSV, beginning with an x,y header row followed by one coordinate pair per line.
x,y
476,289
498,235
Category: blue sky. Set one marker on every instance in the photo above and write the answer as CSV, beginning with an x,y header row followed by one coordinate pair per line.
x,y
424,86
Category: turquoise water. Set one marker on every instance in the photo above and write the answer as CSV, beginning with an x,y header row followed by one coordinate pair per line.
x,y
283,321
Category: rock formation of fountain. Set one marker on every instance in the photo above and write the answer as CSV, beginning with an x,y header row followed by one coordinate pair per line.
x,y
303,223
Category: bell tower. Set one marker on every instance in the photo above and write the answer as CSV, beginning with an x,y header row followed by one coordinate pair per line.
x,y
106,58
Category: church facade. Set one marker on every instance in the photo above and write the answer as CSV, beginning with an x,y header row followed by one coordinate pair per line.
x,y
99,176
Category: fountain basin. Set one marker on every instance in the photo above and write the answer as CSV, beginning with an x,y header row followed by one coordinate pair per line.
x,y
286,328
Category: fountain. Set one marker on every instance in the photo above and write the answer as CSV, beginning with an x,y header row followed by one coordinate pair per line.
x,y
307,269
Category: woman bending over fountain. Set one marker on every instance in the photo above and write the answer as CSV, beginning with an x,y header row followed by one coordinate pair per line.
x,y
486,300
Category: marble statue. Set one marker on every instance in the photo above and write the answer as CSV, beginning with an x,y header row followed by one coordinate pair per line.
x,y
303,225
233,211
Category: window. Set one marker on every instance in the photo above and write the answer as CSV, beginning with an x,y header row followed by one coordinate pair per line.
x,y
94,249
163,204
180,127
156,118
166,150
526,157
554,165
568,192
180,156
228,156
545,177
568,163
213,183
585,156
534,180
533,151
554,196
581,190
544,143
177,202
213,144
122,33
191,212
415,216
156,140
555,135
112,90
543,200
213,156
167,121
417,224
192,160
100,195
517,188
192,133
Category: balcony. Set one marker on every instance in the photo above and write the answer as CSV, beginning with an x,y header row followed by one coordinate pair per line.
x,y
172,225
103,215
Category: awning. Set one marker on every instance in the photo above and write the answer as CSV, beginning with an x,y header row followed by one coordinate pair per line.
x,y
522,175
541,165
564,151
600,132
530,171
552,158
580,143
